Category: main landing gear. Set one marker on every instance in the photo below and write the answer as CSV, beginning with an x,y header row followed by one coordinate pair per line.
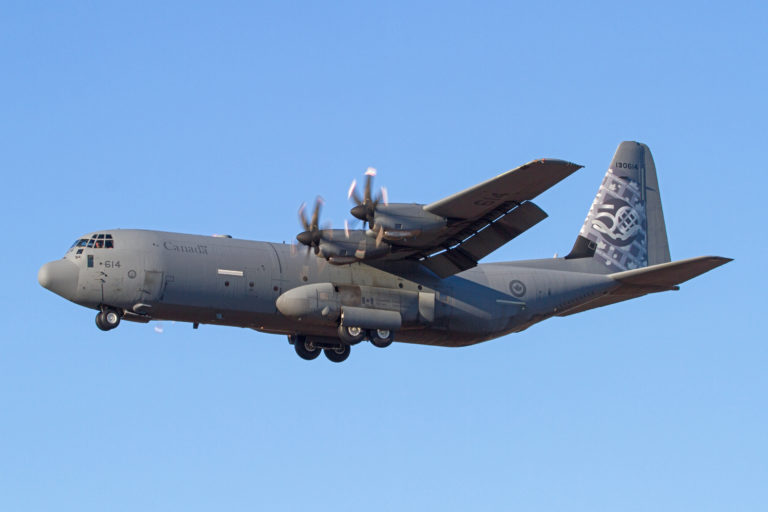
x,y
304,348
382,338
309,348
107,319
338,350
338,354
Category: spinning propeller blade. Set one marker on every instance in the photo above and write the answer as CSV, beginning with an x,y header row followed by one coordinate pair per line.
x,y
312,234
365,208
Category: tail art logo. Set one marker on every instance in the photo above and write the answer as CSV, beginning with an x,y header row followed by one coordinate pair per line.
x,y
618,221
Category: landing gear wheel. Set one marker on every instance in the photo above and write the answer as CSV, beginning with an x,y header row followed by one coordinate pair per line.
x,y
382,338
338,354
111,318
306,349
350,334
100,323
107,320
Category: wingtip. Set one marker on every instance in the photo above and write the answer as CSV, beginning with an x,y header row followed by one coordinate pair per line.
x,y
721,259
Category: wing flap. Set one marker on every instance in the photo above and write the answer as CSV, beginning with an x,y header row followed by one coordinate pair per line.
x,y
518,185
475,245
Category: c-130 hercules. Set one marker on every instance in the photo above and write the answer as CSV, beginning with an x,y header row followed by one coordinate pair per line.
x,y
412,275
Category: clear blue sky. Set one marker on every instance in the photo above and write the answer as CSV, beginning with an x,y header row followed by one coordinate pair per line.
x,y
224,118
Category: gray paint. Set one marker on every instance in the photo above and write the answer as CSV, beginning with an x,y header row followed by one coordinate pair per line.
x,y
155,275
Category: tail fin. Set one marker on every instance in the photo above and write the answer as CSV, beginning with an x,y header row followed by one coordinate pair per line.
x,y
625,227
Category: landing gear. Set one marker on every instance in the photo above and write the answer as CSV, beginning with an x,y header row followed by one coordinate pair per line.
x,y
107,319
309,347
306,349
337,349
382,338
351,335
338,354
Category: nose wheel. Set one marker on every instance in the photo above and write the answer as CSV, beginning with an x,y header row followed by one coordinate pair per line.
x,y
107,319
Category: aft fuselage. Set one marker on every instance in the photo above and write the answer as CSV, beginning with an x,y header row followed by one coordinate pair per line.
x,y
153,275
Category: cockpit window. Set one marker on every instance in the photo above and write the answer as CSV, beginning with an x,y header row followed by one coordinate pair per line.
x,y
97,241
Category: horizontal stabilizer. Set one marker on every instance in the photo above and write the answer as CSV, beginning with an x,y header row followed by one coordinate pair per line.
x,y
666,276
657,278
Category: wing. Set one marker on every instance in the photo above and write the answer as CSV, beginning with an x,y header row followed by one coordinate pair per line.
x,y
515,186
449,235
484,217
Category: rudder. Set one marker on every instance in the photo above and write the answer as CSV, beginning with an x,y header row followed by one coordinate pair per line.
x,y
624,228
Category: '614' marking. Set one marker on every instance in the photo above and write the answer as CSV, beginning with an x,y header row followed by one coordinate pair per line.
x,y
112,264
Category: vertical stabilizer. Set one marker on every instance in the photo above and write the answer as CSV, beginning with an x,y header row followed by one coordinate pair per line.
x,y
625,226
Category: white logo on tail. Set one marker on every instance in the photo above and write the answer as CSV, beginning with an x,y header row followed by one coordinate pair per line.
x,y
616,223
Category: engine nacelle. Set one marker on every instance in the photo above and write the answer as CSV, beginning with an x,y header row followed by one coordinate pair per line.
x,y
344,251
403,221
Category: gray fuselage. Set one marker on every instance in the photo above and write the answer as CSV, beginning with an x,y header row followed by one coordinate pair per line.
x,y
153,275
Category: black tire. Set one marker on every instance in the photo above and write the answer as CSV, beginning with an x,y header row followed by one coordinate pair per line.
x,y
306,349
338,354
351,335
382,338
111,318
100,323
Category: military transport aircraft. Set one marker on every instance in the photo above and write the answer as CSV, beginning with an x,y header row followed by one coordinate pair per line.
x,y
411,274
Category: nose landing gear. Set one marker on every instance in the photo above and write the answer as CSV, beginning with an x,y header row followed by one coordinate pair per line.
x,y
107,319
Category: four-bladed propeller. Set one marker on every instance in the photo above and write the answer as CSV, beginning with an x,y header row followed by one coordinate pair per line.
x,y
366,206
312,234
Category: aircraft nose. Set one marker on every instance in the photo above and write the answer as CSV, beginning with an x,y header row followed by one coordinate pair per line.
x,y
60,277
